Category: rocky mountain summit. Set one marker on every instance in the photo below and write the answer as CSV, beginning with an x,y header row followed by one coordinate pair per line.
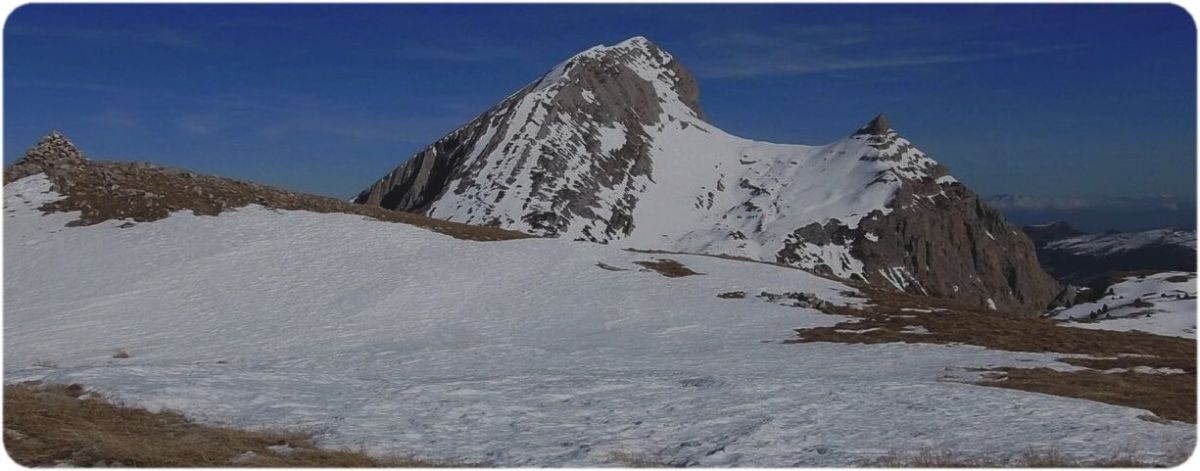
x,y
612,146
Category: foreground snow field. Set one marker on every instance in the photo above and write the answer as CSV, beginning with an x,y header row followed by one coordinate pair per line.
x,y
525,352
1161,303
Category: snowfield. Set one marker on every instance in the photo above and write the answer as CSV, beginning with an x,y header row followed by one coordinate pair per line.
x,y
1108,244
517,353
1162,303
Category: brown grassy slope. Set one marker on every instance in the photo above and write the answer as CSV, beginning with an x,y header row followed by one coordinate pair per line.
x,y
893,316
143,192
49,425
118,190
668,268
1033,458
1165,395
952,322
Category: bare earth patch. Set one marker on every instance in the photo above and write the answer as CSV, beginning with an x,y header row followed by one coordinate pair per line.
x,y
55,425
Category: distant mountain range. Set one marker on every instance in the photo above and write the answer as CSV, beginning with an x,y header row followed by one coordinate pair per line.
x,y
612,146
1076,257
1122,213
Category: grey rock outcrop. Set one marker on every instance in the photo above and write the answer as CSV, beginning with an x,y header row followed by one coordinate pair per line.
x,y
878,126
939,239
53,155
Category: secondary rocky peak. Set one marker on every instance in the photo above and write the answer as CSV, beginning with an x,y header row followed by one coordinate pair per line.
x,y
879,126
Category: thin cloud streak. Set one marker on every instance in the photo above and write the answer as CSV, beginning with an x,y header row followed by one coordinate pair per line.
x,y
159,37
1065,203
838,48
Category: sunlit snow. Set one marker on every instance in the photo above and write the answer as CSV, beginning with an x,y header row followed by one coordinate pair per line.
x,y
401,340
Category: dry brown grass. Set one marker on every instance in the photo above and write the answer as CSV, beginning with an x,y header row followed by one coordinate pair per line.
x,y
1170,396
1033,458
103,191
891,312
737,258
632,460
668,268
1180,363
50,425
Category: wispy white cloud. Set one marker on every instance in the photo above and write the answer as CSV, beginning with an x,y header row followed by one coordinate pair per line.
x,y
421,129
201,124
1010,201
815,49
115,119
462,53
1072,203
157,37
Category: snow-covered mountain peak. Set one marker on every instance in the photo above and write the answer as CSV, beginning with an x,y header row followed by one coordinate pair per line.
x,y
611,146
628,69
634,45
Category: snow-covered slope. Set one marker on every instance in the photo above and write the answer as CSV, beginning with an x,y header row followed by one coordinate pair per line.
x,y
1162,303
1091,258
611,146
1115,243
525,352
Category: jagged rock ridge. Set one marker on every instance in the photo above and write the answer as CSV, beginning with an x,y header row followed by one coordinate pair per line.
x,y
612,146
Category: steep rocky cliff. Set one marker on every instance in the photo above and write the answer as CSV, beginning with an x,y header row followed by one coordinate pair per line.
x,y
612,146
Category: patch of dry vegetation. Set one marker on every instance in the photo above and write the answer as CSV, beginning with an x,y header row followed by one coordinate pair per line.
x,y
668,268
898,317
1033,458
142,192
632,460
951,322
1163,394
55,425
104,191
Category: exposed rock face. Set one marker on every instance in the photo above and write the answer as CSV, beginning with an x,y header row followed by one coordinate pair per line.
x,y
939,239
876,127
611,146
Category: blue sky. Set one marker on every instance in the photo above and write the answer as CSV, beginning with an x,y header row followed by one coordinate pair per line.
x,y
1059,103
